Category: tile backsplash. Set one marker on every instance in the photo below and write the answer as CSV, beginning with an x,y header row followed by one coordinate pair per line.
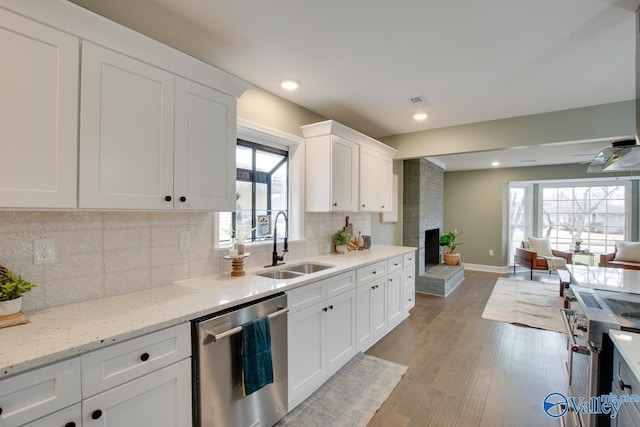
x,y
107,253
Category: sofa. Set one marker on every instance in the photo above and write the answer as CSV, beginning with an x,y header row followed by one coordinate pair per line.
x,y
529,257
626,255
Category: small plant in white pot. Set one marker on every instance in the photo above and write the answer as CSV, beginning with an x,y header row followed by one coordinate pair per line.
x,y
341,239
12,286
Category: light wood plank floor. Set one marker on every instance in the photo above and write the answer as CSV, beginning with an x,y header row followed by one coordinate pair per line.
x,y
467,371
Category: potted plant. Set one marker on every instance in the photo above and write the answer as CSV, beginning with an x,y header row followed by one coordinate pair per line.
x,y
12,286
578,244
341,239
448,240
238,238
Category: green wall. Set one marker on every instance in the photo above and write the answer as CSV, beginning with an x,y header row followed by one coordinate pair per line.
x,y
474,202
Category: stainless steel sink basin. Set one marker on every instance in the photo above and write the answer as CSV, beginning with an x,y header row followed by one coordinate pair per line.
x,y
293,271
308,268
279,274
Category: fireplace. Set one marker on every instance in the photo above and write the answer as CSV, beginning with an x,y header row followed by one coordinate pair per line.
x,y
432,247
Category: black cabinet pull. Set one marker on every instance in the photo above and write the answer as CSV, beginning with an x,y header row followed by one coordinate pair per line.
x,y
335,204
331,307
70,424
183,199
0,410
96,414
623,386
373,287
325,309
144,357
167,198
363,206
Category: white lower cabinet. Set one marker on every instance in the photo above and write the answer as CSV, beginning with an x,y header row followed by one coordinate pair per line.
x,y
68,417
159,399
322,336
371,308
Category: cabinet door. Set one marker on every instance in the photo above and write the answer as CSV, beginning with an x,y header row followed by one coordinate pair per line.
x,y
344,174
364,325
38,115
126,132
70,416
385,191
307,362
394,299
341,330
160,399
369,180
205,148
379,308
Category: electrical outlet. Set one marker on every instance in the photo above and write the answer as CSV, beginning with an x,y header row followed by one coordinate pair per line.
x,y
44,251
185,240
490,252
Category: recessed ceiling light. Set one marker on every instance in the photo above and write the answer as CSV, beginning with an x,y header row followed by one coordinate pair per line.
x,y
290,84
420,116
495,164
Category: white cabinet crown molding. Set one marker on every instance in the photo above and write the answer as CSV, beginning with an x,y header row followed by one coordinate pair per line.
x,y
256,132
90,26
332,127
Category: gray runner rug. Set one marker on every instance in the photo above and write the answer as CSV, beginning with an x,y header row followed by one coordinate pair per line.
x,y
350,397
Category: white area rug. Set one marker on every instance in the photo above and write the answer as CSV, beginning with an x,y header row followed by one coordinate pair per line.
x,y
349,398
528,303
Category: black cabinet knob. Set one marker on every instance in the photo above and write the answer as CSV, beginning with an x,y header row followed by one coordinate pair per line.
x,y
335,204
144,357
325,309
623,386
168,198
70,424
363,206
183,199
0,411
331,307
96,414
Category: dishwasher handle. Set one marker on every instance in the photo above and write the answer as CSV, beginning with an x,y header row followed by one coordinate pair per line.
x,y
232,331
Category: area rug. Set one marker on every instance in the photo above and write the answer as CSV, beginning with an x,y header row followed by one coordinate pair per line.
x,y
527,303
349,398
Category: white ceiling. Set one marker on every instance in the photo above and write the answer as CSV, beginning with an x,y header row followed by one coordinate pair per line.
x,y
359,61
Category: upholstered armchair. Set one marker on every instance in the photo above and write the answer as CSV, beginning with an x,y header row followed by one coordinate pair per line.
x,y
528,257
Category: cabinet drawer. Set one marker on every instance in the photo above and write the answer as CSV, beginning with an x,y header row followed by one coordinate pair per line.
x,y
409,276
409,298
306,296
32,395
114,365
409,259
371,271
70,416
394,263
341,283
622,372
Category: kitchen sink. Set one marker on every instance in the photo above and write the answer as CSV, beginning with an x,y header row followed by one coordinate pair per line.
x,y
293,271
308,268
279,274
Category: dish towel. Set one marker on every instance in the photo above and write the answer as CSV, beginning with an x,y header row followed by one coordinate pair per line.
x,y
257,363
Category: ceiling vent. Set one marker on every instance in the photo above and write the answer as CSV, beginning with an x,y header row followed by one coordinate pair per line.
x,y
419,101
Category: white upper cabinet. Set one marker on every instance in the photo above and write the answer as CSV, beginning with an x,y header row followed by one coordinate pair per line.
x,y
126,132
331,174
132,156
205,148
38,115
337,182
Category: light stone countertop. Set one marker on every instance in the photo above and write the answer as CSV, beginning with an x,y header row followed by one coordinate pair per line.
x,y
57,333
628,344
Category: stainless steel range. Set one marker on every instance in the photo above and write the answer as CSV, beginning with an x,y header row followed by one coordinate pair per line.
x,y
591,313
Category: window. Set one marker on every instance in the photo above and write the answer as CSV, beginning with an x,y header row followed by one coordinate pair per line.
x,y
597,214
520,218
262,190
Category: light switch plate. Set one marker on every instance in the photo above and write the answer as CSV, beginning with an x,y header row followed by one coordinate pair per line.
x,y
44,251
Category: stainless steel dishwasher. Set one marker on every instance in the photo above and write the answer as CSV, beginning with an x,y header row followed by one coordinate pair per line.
x,y
217,367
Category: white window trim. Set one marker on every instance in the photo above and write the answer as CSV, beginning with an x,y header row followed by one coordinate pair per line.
x,y
260,134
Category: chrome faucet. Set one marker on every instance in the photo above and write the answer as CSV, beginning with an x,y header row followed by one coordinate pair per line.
x,y
275,257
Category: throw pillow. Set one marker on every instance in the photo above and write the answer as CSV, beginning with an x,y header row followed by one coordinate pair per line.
x,y
541,246
627,251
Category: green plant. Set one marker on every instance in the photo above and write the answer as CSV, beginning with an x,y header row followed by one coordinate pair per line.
x,y
449,240
12,285
341,238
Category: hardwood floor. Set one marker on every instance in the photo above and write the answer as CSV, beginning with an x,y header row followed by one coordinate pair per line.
x,y
467,371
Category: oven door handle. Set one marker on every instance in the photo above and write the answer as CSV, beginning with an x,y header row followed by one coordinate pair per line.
x,y
575,347
237,329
